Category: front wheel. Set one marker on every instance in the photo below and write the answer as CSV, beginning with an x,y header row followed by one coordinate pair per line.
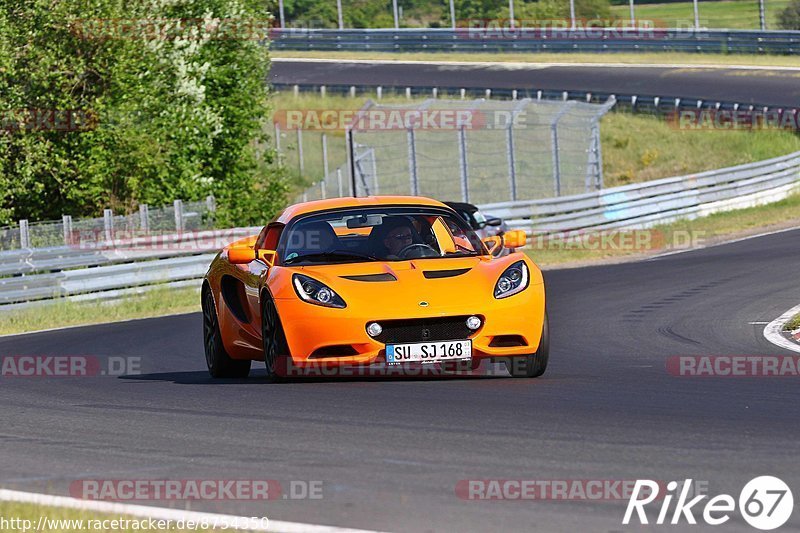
x,y
533,365
276,349
220,364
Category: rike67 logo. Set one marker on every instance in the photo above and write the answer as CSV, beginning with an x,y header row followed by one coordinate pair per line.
x,y
765,503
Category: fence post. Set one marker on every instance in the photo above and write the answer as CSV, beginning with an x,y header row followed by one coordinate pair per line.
x,y
211,203
300,151
512,164
599,155
374,172
351,164
108,224
322,192
339,180
144,218
324,156
66,222
556,158
412,161
278,141
178,215
555,147
24,234
462,159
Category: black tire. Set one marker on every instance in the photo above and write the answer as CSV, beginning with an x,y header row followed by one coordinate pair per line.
x,y
220,364
533,365
276,349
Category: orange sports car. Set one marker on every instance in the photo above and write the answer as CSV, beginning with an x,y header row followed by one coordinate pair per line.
x,y
385,281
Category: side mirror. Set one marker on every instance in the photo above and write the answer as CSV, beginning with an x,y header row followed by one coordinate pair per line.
x,y
515,238
493,221
241,255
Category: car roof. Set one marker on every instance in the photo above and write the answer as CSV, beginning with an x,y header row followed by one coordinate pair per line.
x,y
318,206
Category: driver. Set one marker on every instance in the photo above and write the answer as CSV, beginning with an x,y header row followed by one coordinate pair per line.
x,y
394,234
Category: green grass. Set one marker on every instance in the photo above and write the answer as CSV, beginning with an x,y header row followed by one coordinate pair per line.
x,y
732,14
640,148
636,148
637,58
793,324
61,313
63,520
677,235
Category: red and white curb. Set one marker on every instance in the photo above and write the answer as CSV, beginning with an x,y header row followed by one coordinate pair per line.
x,y
162,513
774,331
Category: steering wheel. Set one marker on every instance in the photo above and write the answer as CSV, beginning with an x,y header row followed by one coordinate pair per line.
x,y
417,250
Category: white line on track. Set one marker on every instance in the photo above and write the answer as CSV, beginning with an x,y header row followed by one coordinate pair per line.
x,y
773,330
509,65
161,513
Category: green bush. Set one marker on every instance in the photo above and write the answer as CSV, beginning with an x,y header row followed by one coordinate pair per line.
x,y
164,117
789,18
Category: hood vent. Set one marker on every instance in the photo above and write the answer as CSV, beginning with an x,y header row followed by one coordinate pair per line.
x,y
371,277
435,274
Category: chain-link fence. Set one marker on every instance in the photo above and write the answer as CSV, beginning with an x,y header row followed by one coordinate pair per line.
x,y
478,151
179,217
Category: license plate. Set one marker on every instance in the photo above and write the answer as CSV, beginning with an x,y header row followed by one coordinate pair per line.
x,y
429,352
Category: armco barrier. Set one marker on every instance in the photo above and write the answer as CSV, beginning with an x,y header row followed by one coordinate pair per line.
x,y
657,202
631,206
521,40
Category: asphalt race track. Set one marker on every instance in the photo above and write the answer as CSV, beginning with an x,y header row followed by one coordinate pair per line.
x,y
771,87
390,451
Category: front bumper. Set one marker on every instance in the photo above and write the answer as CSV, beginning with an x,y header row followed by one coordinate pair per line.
x,y
314,332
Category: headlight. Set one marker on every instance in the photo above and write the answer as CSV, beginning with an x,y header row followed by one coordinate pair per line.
x,y
514,280
316,292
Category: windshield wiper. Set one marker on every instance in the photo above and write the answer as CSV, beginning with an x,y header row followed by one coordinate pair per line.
x,y
322,256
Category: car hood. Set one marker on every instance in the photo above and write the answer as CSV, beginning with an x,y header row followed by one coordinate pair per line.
x,y
422,286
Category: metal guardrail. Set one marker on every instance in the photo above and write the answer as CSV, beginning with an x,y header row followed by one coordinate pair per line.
x,y
113,269
535,40
631,206
656,202
662,105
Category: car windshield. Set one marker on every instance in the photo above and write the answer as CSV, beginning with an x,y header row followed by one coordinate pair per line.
x,y
378,234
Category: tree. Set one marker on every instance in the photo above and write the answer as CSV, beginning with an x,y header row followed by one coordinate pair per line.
x,y
172,99
789,18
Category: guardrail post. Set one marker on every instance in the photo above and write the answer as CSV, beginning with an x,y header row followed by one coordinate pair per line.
x,y
412,162
339,181
144,218
108,224
178,215
322,192
462,159
300,161
24,234
66,223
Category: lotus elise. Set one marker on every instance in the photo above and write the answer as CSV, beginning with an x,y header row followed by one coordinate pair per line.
x,y
375,281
